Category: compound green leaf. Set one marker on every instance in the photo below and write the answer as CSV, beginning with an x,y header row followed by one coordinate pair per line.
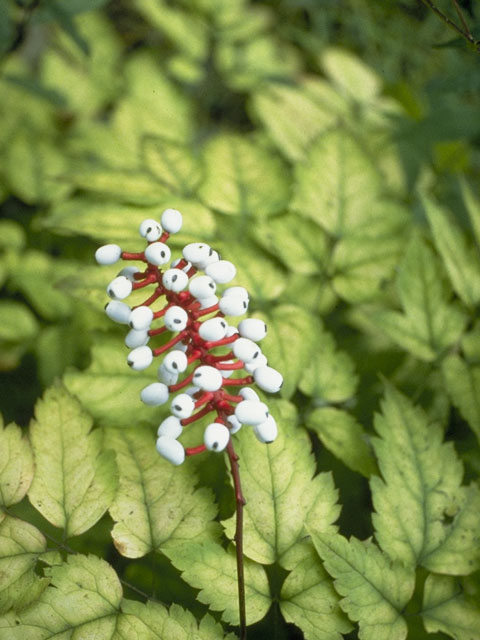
x,y
461,261
209,567
463,386
85,601
299,243
352,77
374,589
75,479
337,185
172,164
282,494
429,324
110,389
309,600
16,465
343,436
280,107
448,609
18,322
329,375
243,178
156,503
423,516
21,544
120,222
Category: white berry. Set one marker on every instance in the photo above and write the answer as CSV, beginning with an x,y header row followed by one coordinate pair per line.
x,y
240,292
171,220
129,273
248,393
251,412
171,426
253,329
268,379
118,311
233,305
260,361
206,303
141,318
175,361
108,254
158,253
140,358
176,318
213,329
196,252
207,378
202,287
182,406
246,350
171,449
216,436
119,288
222,271
166,376
154,394
236,425
266,431
150,227
136,338
175,280
209,259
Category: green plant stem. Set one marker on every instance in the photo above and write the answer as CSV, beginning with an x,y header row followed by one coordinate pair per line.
x,y
450,23
240,503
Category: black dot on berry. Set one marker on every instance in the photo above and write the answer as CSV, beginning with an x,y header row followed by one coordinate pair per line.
x,y
256,354
215,445
224,324
174,365
211,285
210,252
174,278
162,253
244,304
177,407
177,321
149,229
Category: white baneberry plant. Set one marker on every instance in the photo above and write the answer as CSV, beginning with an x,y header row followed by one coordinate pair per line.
x,y
208,366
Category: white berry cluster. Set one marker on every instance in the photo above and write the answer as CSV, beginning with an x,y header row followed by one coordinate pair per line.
x,y
196,374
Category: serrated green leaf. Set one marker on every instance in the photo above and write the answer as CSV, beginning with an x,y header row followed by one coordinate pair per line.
x,y
280,107
429,324
110,389
155,504
243,178
85,601
463,386
282,494
75,480
299,243
209,567
18,322
120,222
374,589
21,544
16,465
462,262
173,165
337,185
329,375
343,436
352,77
309,600
448,609
314,292
423,516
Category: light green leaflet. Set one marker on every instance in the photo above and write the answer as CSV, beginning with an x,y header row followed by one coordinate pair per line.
x,y
120,222
344,437
173,165
423,516
461,261
448,608
156,503
86,600
309,600
429,323
18,322
338,184
243,178
209,567
352,77
21,544
110,389
374,589
281,493
280,107
16,465
463,385
75,478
